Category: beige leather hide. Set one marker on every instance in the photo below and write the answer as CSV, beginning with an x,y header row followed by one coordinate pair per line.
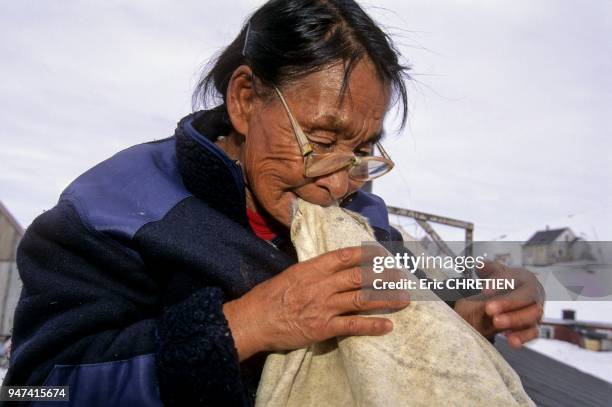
x,y
432,357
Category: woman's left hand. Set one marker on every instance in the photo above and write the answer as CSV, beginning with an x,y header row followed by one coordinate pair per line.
x,y
517,313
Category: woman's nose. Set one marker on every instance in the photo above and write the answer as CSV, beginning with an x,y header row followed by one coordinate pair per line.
x,y
337,183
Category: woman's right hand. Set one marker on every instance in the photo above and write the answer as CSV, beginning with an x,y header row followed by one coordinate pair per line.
x,y
307,303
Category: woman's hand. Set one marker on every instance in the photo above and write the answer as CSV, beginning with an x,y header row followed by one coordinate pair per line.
x,y
307,303
517,313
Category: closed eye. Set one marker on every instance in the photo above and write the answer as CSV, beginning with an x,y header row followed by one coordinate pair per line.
x,y
324,143
321,143
365,149
323,146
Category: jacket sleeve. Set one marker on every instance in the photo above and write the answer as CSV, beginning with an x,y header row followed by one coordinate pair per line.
x,y
90,312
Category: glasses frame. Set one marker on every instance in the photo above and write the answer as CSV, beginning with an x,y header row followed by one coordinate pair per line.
x,y
352,160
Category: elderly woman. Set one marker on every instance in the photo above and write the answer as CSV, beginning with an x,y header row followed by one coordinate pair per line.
x,y
165,273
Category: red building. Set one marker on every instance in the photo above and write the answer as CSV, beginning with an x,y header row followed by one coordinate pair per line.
x,y
596,336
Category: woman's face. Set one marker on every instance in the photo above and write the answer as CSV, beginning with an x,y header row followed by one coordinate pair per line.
x,y
271,157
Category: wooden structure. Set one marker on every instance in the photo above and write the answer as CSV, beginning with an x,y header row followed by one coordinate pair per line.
x,y
423,219
10,283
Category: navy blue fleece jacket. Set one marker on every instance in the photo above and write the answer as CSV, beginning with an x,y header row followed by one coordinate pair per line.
x,y
124,279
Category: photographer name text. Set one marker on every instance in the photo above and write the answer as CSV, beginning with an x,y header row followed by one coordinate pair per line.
x,y
450,284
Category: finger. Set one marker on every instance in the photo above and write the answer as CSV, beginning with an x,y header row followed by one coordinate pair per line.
x,y
516,299
341,259
360,278
356,301
516,339
359,326
473,313
497,270
519,276
522,318
493,270
346,280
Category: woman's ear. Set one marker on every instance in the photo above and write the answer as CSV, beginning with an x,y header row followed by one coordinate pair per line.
x,y
240,98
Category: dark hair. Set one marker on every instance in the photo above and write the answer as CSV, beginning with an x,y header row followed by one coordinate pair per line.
x,y
286,39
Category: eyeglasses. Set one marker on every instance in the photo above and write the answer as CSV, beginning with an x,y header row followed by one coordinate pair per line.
x,y
360,168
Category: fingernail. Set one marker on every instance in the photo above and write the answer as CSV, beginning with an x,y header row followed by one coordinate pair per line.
x,y
516,342
388,326
492,308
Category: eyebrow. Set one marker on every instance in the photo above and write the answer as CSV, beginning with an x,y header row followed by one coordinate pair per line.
x,y
333,122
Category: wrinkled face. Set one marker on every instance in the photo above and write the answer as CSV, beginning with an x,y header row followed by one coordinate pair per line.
x,y
271,158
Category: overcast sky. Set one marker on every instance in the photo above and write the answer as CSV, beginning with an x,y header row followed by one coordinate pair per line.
x,y
511,107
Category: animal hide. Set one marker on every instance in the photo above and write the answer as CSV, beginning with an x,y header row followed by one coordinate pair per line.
x,y
432,356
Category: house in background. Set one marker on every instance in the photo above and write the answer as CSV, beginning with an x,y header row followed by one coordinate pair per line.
x,y
10,283
596,336
552,246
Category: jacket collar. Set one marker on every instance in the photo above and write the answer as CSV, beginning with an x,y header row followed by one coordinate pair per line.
x,y
207,172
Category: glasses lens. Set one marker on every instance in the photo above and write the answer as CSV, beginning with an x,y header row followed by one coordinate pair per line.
x,y
318,165
369,169
363,169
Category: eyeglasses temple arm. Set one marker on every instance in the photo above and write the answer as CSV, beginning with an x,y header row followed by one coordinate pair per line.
x,y
305,146
382,151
